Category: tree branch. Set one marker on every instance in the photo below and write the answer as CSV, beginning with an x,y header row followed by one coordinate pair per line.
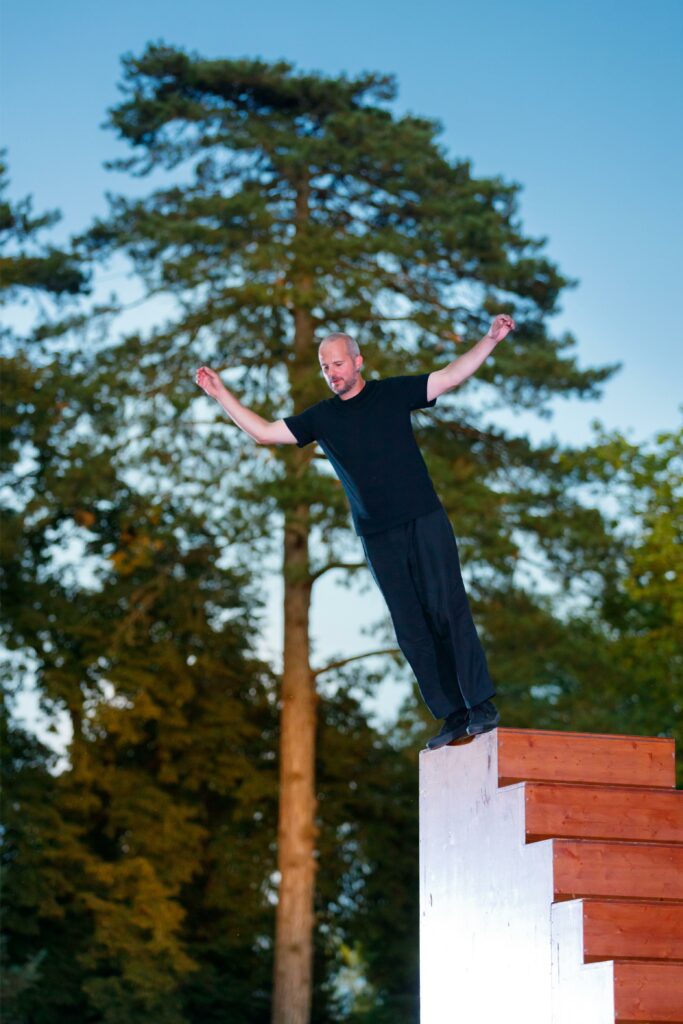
x,y
336,565
354,657
455,427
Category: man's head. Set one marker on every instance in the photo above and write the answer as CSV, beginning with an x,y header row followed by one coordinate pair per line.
x,y
340,362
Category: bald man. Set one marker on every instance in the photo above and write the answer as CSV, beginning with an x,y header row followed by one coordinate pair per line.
x,y
366,433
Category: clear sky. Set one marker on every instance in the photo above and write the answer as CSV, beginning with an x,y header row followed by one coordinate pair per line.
x,y
577,101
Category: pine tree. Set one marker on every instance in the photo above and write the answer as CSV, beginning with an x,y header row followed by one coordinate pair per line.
x,y
36,943
30,886
639,611
136,880
298,203
97,923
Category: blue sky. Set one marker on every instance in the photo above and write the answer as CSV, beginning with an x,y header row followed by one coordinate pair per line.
x,y
578,102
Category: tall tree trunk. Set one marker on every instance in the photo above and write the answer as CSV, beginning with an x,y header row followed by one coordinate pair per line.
x,y
296,827
293,980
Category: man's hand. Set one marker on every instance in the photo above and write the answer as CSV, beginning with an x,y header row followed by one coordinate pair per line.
x,y
209,381
460,369
501,327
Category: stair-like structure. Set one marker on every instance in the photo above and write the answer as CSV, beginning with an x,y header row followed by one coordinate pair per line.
x,y
551,877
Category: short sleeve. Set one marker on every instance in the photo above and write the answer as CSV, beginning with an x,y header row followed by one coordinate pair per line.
x,y
303,426
412,391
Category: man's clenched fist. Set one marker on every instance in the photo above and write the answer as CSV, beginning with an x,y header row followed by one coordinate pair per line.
x,y
501,326
209,381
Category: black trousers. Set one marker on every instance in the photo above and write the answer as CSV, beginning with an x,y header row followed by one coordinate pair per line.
x,y
417,568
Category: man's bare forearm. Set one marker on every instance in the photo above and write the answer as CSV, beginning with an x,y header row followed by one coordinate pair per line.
x,y
461,369
464,366
248,420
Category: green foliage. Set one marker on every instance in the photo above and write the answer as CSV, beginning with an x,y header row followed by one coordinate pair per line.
x,y
158,835
29,264
122,873
30,881
642,607
139,881
306,204
367,894
302,203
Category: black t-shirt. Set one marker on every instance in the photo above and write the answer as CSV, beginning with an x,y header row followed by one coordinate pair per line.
x,y
370,442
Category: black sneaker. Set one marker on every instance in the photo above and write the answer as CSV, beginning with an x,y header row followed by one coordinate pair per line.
x,y
453,728
483,718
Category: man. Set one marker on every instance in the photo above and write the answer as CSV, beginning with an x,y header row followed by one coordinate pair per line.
x,y
366,433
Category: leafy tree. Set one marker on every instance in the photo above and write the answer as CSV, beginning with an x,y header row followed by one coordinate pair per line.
x,y
136,881
286,203
96,859
34,880
309,206
114,871
30,883
641,607
178,765
368,887
27,262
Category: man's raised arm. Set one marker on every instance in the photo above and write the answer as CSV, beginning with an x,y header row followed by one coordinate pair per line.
x,y
460,369
263,431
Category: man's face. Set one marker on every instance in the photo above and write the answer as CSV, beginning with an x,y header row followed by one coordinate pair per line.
x,y
339,370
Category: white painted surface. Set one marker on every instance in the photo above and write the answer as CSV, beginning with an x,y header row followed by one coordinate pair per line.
x,y
581,992
486,895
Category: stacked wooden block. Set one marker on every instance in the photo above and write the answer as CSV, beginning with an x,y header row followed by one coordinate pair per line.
x,y
557,858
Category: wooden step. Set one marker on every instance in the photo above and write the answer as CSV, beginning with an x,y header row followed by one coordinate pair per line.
x,y
648,992
563,810
585,867
630,930
533,754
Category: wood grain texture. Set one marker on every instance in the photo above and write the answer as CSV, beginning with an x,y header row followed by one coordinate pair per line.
x,y
625,929
603,812
649,871
530,754
648,992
